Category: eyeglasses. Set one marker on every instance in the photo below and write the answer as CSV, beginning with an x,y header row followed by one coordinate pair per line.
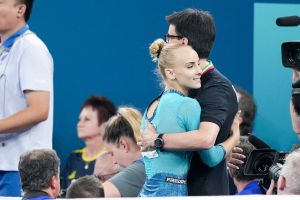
x,y
168,37
105,177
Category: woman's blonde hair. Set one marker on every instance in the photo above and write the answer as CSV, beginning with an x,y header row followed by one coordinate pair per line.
x,y
164,54
134,117
125,124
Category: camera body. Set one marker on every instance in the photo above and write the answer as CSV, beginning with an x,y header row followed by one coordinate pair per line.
x,y
265,164
290,52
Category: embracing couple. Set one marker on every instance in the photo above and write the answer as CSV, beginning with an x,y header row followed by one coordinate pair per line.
x,y
186,131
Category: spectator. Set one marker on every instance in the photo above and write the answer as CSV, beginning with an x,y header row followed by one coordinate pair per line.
x,y
88,186
105,167
95,111
39,171
26,92
120,138
289,180
247,107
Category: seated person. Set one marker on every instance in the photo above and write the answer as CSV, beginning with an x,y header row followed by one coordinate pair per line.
x,y
105,167
245,185
39,171
95,111
85,187
120,137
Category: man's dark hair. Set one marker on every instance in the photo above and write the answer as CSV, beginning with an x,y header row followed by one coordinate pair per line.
x,y
37,167
248,111
29,4
85,187
104,107
197,26
116,128
247,148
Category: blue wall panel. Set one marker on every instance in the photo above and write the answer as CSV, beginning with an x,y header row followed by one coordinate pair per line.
x,y
272,82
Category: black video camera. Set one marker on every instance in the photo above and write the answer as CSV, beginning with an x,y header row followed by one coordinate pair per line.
x,y
290,51
265,164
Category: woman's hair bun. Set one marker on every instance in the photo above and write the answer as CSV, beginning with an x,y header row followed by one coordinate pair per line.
x,y
156,47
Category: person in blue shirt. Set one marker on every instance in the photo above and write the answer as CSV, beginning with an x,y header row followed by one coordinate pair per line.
x,y
245,185
39,172
26,92
174,112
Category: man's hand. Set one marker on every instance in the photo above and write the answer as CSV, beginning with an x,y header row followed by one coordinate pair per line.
x,y
148,137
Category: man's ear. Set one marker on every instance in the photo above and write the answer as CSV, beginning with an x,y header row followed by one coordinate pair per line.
x,y
170,74
281,183
21,10
53,182
185,41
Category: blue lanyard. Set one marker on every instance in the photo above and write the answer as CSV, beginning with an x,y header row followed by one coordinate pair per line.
x,y
10,40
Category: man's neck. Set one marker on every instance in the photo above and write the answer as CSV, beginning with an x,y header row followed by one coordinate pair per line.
x,y
5,35
203,62
50,193
205,65
34,194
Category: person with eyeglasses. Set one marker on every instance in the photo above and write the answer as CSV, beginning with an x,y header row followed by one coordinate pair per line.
x,y
120,137
174,111
26,92
106,167
216,97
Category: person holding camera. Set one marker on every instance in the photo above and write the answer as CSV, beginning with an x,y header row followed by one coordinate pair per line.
x,y
289,179
245,185
295,101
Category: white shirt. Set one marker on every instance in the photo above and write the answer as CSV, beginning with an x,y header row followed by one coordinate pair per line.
x,y
28,66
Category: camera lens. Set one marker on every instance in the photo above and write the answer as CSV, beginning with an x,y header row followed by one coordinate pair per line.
x,y
263,163
274,171
295,55
291,54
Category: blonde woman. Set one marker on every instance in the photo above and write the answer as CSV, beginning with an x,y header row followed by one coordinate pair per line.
x,y
174,112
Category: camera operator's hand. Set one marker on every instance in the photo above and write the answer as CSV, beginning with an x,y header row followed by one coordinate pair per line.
x,y
294,103
236,159
271,188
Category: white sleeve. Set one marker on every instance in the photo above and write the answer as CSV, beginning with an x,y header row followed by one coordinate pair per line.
x,y
36,68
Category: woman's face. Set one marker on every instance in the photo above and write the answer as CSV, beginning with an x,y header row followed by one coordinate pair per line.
x,y
119,153
186,71
87,125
